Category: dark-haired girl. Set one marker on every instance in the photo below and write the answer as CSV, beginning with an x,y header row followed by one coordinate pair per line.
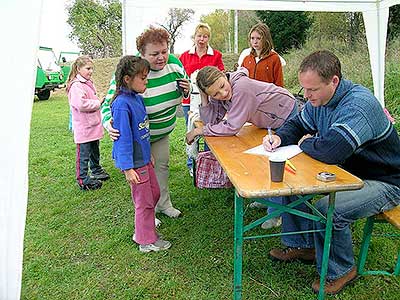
x,y
131,151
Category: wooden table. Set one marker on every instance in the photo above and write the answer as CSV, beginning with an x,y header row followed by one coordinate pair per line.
x,y
250,176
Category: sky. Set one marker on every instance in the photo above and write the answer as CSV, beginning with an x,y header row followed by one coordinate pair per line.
x,y
54,29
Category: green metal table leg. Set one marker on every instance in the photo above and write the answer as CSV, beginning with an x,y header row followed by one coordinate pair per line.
x,y
397,267
327,245
238,248
369,225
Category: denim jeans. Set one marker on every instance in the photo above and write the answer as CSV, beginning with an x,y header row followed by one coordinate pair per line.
x,y
373,198
87,156
186,108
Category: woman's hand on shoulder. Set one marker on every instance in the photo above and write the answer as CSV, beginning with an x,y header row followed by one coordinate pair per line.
x,y
204,98
112,132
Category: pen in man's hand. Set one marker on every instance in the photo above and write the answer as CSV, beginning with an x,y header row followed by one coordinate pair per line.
x,y
270,135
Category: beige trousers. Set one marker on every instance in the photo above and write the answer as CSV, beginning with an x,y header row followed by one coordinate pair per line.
x,y
160,152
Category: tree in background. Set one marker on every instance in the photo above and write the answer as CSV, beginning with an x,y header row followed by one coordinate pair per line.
x,y
247,19
219,21
174,22
96,27
394,22
288,29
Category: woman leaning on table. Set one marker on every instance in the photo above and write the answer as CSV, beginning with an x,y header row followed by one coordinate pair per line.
x,y
161,100
241,100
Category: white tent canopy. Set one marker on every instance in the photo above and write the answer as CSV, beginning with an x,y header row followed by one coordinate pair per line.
x,y
19,54
375,14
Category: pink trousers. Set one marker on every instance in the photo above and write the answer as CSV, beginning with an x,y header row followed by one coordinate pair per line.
x,y
145,196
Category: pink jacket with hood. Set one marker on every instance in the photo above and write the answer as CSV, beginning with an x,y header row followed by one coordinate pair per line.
x,y
85,105
260,103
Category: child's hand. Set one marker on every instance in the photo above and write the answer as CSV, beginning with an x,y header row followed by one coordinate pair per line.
x,y
152,160
190,136
131,176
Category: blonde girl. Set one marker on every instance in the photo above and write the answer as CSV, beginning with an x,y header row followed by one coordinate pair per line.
x,y
86,121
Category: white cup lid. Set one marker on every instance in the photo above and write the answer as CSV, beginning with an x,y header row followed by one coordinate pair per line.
x,y
277,157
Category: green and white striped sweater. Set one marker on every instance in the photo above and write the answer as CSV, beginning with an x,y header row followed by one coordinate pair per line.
x,y
161,98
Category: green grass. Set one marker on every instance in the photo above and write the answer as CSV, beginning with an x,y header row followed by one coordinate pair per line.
x,y
78,244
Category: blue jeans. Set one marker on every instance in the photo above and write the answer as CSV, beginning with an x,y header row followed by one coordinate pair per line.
x,y
186,108
373,198
87,156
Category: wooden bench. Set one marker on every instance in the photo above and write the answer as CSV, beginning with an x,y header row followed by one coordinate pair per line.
x,y
391,216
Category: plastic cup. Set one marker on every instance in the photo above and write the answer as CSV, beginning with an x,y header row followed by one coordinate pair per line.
x,y
277,167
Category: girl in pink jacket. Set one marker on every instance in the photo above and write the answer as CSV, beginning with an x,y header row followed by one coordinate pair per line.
x,y
86,121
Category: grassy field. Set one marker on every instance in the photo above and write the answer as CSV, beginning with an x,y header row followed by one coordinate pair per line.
x,y
78,244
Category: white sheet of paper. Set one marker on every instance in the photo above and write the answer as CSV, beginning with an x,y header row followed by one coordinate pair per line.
x,y
288,151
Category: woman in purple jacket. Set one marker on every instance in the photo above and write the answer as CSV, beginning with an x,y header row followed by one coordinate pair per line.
x,y
230,100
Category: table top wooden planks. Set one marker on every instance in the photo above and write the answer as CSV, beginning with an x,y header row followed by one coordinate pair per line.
x,y
251,176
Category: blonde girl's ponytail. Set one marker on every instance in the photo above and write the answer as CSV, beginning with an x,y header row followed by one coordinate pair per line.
x,y
78,63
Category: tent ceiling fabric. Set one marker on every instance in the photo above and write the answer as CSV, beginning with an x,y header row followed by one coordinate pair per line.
x,y
294,5
375,14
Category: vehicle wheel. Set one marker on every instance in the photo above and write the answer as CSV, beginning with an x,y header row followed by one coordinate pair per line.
x,y
44,95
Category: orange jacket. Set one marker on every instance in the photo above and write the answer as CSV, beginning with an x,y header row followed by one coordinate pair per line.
x,y
268,69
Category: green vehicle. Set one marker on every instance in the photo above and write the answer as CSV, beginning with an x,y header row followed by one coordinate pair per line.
x,y
65,60
49,75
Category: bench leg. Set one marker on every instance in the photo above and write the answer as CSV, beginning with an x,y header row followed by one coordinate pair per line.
x,y
369,225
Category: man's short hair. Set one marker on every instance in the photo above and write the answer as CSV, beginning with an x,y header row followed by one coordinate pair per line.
x,y
324,62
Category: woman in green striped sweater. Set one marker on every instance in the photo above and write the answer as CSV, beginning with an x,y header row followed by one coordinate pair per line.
x,y
161,98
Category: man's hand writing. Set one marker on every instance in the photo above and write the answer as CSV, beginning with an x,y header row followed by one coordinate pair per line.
x,y
268,146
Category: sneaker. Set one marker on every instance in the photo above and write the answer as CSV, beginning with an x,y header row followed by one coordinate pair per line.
x,y
271,223
191,172
306,255
256,204
103,176
134,237
91,185
333,287
156,246
171,212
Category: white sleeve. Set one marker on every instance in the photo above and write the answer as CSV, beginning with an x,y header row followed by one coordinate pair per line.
x,y
242,55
